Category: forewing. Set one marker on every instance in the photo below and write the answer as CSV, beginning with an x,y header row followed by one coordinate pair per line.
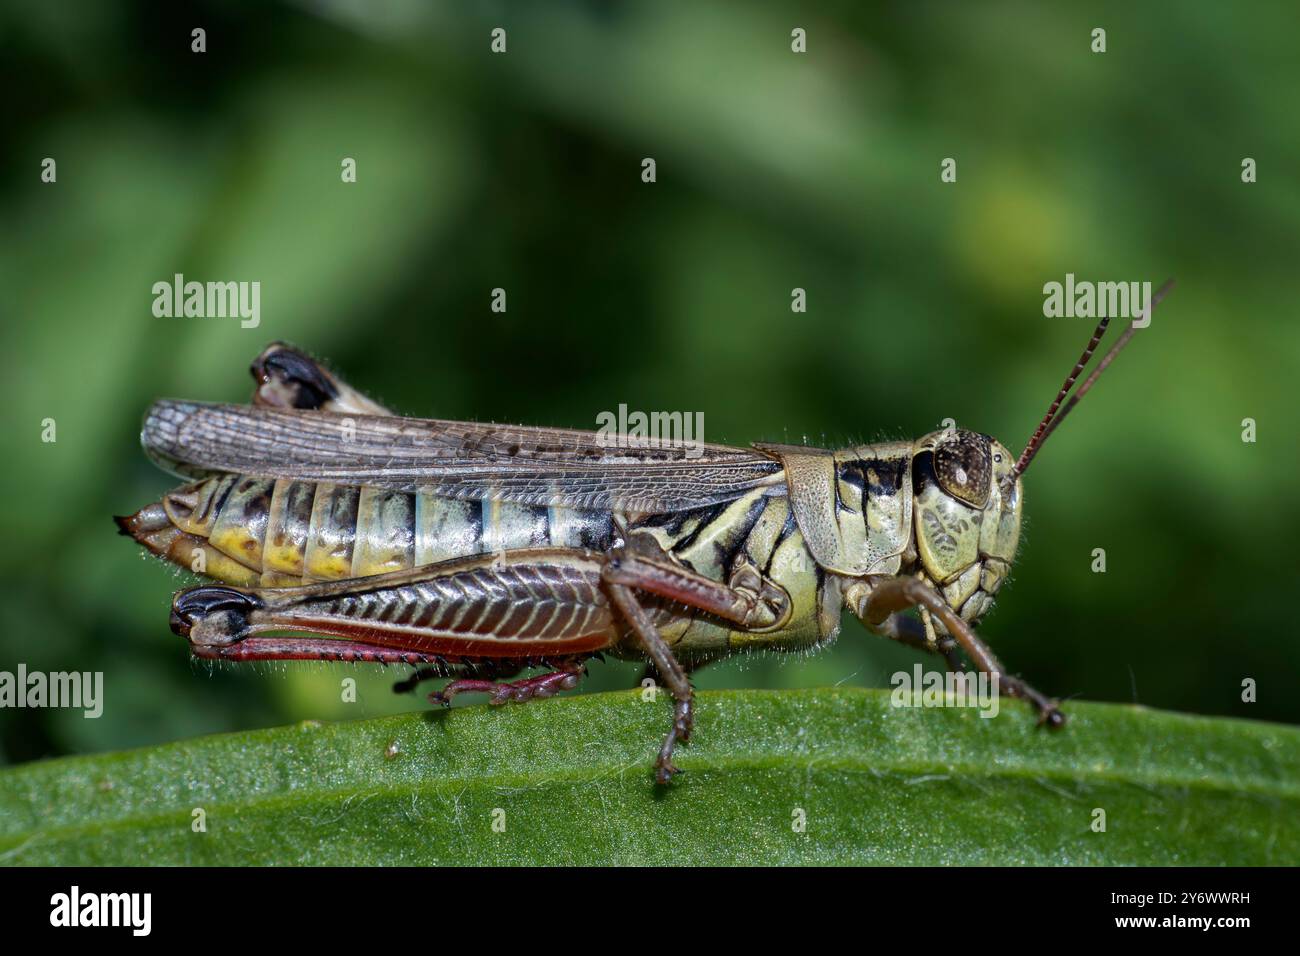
x,y
465,460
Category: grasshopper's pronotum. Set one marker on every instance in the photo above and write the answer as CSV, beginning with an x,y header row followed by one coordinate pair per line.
x,y
475,551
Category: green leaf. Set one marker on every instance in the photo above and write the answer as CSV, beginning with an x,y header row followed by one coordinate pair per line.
x,y
572,776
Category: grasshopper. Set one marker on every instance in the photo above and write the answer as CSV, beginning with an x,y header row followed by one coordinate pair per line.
x,y
339,531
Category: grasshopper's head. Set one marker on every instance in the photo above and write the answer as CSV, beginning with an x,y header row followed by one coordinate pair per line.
x,y
966,515
968,496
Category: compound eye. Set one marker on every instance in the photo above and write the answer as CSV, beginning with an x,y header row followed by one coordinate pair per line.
x,y
963,465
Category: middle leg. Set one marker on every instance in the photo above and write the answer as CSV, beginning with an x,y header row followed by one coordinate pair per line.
x,y
669,668
749,601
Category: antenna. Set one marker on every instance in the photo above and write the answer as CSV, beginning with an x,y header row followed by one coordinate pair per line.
x,y
1052,420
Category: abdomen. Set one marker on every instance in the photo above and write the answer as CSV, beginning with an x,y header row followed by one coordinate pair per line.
x,y
261,532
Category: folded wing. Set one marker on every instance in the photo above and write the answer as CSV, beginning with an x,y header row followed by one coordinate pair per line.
x,y
463,460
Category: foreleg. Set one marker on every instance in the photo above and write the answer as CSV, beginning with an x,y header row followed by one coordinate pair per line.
x,y
898,594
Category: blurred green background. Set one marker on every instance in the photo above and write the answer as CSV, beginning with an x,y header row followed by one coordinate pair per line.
x,y
775,171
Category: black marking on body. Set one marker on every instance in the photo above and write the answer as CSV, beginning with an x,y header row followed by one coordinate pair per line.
x,y
729,545
256,507
219,500
596,530
296,522
706,517
541,534
787,529
922,472
341,507
938,533
673,523
475,519
854,473
885,477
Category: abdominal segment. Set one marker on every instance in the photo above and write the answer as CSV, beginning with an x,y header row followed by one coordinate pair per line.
x,y
253,532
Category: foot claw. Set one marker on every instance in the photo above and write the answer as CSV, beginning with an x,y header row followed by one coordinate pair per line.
x,y
1052,717
664,775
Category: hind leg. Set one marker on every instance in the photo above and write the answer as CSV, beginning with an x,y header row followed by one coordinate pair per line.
x,y
287,377
564,677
